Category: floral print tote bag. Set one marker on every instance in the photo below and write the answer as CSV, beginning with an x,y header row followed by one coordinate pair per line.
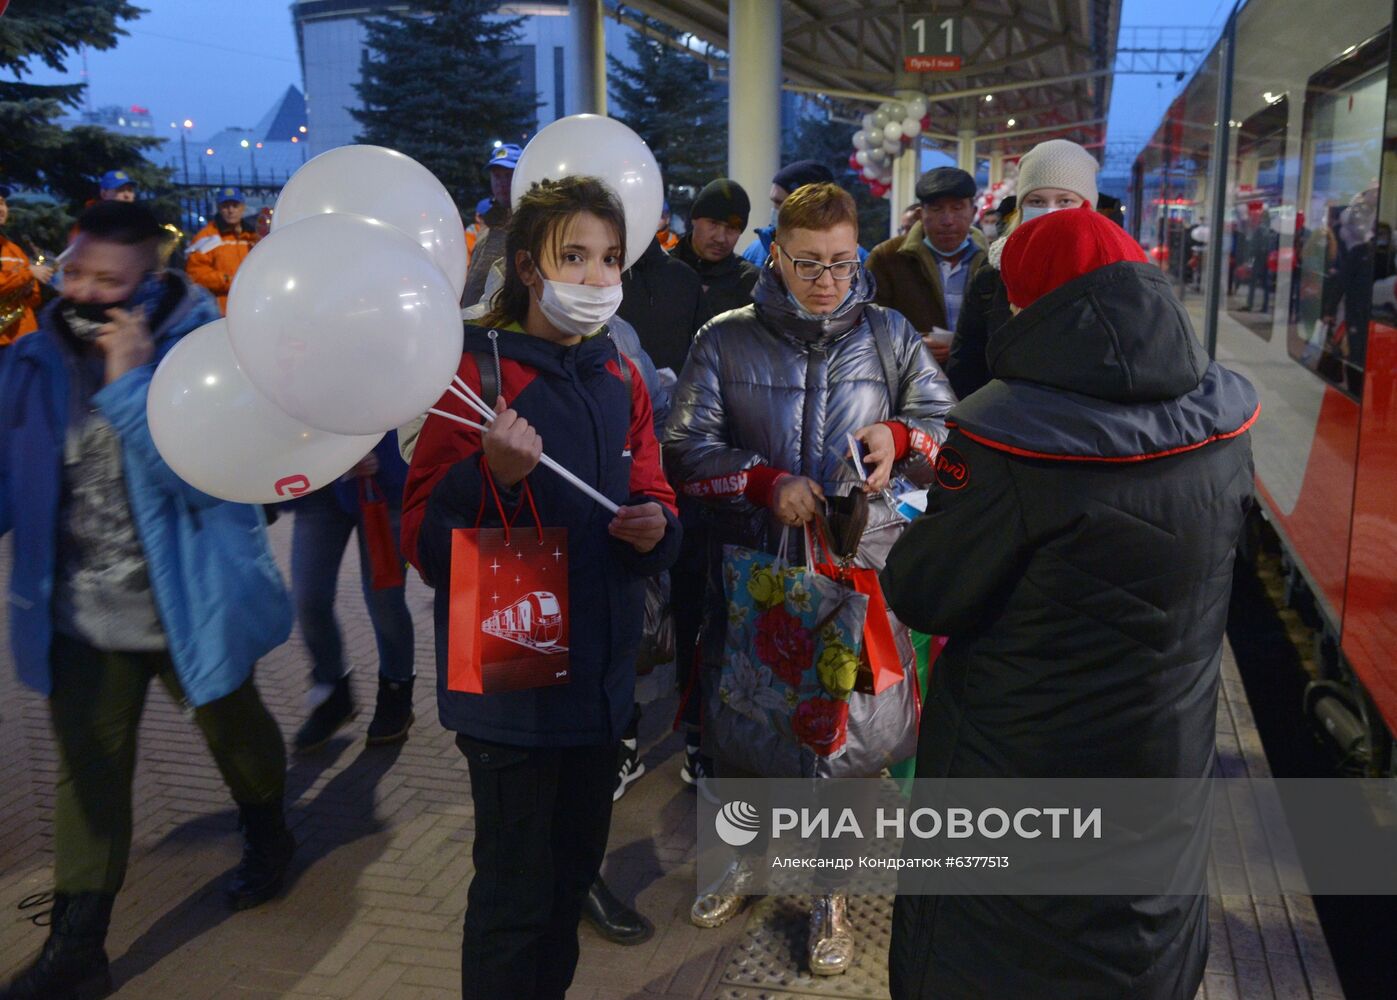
x,y
793,641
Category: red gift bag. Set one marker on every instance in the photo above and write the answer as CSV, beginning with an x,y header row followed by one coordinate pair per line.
x,y
880,664
508,624
385,561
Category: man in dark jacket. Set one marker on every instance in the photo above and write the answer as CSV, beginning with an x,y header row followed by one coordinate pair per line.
x,y
925,274
1086,507
663,299
716,221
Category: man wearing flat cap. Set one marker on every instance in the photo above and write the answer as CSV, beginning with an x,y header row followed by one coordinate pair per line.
x,y
716,222
924,274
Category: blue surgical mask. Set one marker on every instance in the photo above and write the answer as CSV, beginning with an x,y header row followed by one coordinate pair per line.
x,y
941,253
1030,212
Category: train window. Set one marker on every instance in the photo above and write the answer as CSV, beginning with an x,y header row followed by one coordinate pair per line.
x,y
1336,239
1260,230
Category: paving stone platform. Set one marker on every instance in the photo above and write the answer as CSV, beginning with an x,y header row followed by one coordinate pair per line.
x,y
380,880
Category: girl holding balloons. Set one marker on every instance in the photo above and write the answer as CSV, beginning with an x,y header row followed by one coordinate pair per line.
x,y
543,760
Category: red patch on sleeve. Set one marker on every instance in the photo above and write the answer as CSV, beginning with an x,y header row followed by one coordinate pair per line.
x,y
952,473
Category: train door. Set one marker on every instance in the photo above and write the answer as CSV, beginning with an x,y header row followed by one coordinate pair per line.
x,y
1307,95
1369,367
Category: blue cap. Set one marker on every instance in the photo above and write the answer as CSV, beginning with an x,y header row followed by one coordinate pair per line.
x,y
114,179
225,195
484,205
506,156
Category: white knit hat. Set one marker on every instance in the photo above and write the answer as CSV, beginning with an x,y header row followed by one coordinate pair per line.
x,y
1058,163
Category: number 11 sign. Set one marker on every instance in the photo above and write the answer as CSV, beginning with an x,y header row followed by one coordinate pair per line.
x,y
931,43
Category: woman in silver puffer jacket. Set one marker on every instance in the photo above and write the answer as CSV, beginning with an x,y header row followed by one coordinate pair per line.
x,y
759,435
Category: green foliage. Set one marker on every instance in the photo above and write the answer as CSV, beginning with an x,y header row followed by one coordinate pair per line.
x,y
440,88
816,136
670,102
38,226
35,151
48,31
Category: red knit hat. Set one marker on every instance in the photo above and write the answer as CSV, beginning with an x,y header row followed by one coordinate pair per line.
x,y
1051,250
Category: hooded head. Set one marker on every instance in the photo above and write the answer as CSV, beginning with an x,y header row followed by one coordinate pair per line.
x,y
1093,316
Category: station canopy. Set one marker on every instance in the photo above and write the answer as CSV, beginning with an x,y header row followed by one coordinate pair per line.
x,y
857,51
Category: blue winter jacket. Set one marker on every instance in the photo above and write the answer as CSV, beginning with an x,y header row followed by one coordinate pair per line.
x,y
217,589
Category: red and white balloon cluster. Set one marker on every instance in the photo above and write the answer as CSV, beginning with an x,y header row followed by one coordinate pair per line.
x,y
886,134
343,323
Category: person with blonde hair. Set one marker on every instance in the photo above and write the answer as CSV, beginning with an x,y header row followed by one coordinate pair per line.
x,y
759,433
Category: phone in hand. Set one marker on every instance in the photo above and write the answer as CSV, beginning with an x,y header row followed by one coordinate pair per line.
x,y
858,451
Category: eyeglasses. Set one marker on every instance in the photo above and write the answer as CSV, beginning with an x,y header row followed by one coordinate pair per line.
x,y
813,270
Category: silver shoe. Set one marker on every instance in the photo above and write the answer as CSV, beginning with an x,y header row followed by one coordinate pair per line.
x,y
725,898
831,939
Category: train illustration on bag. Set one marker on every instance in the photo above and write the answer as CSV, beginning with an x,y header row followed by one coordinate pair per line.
x,y
534,621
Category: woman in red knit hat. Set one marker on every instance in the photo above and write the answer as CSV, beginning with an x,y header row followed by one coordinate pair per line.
x,y
1087,505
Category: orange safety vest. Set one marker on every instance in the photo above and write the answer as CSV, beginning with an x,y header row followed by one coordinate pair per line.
x,y
215,256
19,293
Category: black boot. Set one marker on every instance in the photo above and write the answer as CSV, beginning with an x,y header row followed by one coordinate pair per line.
x,y
327,717
267,850
72,965
613,919
393,713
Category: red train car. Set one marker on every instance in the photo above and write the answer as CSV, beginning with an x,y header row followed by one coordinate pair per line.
x,y
1281,247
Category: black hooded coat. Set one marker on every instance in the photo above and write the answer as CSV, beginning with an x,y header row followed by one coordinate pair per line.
x,y
1077,550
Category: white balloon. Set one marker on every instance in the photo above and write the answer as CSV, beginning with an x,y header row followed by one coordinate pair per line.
x,y
868,122
881,118
876,155
860,139
381,184
596,146
912,127
897,111
916,108
222,436
871,173
892,147
345,323
861,158
893,131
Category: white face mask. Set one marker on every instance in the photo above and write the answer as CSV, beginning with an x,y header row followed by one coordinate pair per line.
x,y
990,229
578,310
1030,212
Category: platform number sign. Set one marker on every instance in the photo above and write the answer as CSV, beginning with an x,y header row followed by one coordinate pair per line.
x,y
931,43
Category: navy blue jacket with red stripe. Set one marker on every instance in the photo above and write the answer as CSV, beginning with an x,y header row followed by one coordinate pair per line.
x,y
1077,550
577,400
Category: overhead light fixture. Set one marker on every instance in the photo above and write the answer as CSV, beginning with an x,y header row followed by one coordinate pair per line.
x,y
1012,122
989,98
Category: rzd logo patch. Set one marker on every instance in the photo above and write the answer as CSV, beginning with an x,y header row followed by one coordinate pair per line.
x,y
951,471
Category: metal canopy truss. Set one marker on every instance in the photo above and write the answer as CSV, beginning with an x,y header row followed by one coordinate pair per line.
x,y
1046,62
1162,50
